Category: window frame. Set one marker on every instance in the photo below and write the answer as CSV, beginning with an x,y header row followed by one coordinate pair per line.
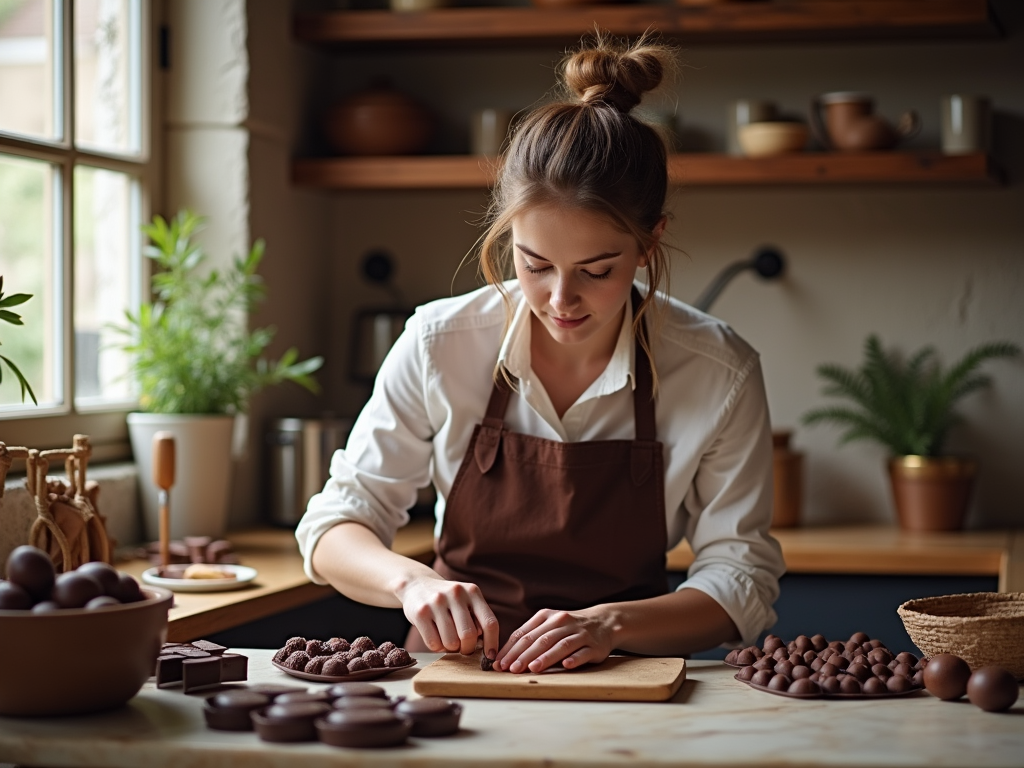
x,y
54,426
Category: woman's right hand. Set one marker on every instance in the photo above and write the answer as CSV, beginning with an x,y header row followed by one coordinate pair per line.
x,y
450,615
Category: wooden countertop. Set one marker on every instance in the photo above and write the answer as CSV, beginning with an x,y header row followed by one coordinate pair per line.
x,y
875,550
713,720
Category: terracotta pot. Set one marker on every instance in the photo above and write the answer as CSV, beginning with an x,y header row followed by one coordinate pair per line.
x,y
379,121
931,493
850,123
788,478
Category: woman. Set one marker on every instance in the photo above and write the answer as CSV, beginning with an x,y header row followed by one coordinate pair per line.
x,y
575,427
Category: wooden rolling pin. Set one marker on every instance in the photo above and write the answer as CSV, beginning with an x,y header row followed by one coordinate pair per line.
x,y
163,478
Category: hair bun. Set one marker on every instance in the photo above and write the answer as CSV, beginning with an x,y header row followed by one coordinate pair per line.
x,y
617,75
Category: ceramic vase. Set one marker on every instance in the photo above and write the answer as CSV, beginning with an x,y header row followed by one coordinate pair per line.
x,y
200,495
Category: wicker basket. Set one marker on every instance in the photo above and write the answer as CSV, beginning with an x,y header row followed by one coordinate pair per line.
x,y
982,628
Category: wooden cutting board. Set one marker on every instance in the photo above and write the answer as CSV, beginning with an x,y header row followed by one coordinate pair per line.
x,y
617,678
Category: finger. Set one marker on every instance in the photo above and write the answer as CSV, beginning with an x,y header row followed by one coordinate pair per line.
x,y
585,655
546,642
465,629
446,628
428,631
509,651
487,623
563,649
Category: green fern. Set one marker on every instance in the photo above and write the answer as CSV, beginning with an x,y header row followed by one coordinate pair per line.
x,y
906,406
191,350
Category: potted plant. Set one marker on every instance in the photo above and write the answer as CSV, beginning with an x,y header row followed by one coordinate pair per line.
x,y
14,319
907,406
197,365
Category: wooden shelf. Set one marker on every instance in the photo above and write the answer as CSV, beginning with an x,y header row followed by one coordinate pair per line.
x,y
688,170
767,21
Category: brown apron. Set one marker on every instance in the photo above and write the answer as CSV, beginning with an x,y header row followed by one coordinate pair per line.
x,y
546,524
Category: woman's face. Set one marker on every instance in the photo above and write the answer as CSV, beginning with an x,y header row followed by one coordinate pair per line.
x,y
576,270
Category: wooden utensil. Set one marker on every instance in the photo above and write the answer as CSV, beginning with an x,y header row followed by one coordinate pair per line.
x,y
163,478
617,678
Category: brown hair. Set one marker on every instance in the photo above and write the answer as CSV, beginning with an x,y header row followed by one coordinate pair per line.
x,y
587,151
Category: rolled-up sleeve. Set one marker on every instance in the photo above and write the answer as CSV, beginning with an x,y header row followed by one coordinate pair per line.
x,y
375,478
729,506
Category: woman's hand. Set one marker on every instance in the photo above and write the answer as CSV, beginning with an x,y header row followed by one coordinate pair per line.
x,y
571,637
450,615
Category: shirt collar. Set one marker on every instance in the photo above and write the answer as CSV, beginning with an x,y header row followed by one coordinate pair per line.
x,y
515,352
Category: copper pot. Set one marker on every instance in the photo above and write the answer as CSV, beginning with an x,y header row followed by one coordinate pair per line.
x,y
379,120
931,493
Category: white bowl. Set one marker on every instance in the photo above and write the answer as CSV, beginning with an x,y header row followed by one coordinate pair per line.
x,y
766,139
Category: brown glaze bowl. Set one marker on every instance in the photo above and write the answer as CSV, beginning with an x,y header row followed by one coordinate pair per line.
x,y
78,661
379,120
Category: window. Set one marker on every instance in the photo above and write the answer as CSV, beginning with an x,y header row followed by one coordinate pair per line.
x,y
75,167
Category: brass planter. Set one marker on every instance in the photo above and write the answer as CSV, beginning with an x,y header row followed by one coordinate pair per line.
x,y
931,493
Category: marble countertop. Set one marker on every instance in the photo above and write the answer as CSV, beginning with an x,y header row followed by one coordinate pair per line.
x,y
712,721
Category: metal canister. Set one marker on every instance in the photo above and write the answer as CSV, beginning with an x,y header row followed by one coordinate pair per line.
x,y
300,460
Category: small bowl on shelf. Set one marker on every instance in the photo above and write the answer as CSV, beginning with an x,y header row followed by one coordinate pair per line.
x,y
770,138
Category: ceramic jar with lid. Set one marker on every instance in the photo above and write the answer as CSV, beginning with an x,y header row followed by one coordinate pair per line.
x,y
379,120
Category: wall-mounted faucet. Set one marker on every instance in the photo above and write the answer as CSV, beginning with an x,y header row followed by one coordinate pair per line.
x,y
767,261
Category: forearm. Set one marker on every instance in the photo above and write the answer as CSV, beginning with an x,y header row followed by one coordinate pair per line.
x,y
678,623
356,563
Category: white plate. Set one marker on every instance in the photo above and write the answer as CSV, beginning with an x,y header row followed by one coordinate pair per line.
x,y
242,576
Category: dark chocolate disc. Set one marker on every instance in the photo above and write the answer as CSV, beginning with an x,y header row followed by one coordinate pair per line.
x,y
303,710
242,699
356,689
361,702
425,707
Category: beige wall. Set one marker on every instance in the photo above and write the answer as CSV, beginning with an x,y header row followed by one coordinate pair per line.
x,y
938,265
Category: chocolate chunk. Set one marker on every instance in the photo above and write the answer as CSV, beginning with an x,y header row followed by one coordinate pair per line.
x,y
168,670
234,667
200,673
486,664
211,648
192,652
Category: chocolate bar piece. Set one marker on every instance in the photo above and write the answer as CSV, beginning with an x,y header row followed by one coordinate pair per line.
x,y
211,648
234,667
200,673
168,670
198,665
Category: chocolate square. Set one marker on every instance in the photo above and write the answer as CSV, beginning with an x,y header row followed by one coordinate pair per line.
x,y
234,667
210,647
200,673
168,669
191,652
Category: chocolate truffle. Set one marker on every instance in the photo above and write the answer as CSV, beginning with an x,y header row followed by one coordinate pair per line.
x,y
859,671
363,644
874,686
849,684
106,574
374,659
14,598
881,671
779,683
297,661
805,687
818,642
946,676
295,644
337,645
386,647
128,590
859,637
899,684
357,665
315,666
800,673
334,667
314,648
784,668
746,674
906,658
830,684
809,656
803,643
762,677
772,643
398,658
282,655
993,689
74,590
766,662
742,657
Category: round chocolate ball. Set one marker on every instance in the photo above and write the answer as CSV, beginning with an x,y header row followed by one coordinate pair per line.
x,y
830,684
128,590
357,665
809,656
74,590
47,606
334,667
374,659
859,637
14,598
732,657
946,676
387,647
881,671
780,653
772,643
803,643
796,658
784,668
849,684
906,658
766,662
859,671
874,686
363,644
839,661
804,687
746,673
819,643
315,666
297,661
800,673
817,664
398,658
899,684
762,677
992,689
295,644
743,657
106,574
828,669
103,601
779,683
32,570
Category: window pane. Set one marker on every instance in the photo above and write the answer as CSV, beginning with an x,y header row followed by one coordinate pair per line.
x,y
27,64
27,263
106,60
105,280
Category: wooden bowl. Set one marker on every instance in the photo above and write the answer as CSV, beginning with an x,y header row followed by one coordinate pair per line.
x,y
767,139
77,661
379,121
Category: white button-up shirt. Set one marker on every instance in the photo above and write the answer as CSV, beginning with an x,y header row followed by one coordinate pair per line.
x,y
711,417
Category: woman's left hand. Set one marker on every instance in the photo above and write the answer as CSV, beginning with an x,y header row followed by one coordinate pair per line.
x,y
571,637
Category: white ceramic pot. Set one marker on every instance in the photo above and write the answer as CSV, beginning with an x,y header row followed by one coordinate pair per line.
x,y
202,479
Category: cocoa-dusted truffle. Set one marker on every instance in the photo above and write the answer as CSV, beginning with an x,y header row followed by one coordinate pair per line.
x,y
398,658
314,648
334,666
357,665
363,644
297,661
386,647
374,659
281,655
295,644
315,666
337,645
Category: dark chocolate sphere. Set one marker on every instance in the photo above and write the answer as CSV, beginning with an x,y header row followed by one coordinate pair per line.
x,y
106,574
993,689
946,676
128,590
74,590
32,570
103,601
14,598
